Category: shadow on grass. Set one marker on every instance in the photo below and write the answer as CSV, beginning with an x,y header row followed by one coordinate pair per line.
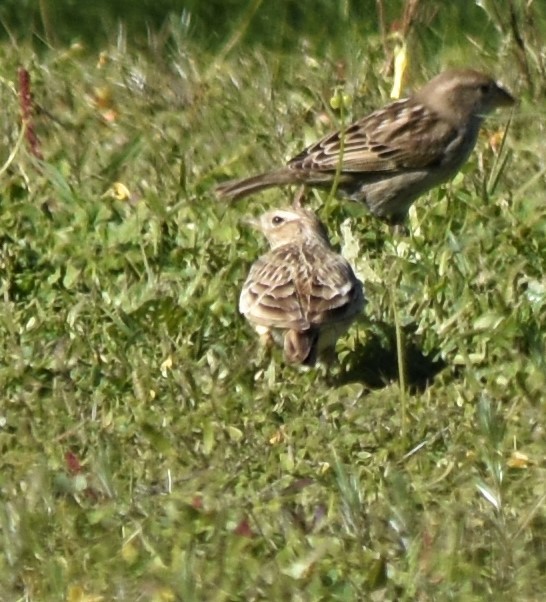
x,y
375,363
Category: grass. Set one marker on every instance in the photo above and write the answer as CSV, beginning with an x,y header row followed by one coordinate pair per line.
x,y
149,450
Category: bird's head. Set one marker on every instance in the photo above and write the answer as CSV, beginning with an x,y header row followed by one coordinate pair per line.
x,y
459,94
282,226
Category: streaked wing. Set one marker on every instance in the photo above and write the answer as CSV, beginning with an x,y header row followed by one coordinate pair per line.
x,y
328,288
401,136
295,287
332,292
269,296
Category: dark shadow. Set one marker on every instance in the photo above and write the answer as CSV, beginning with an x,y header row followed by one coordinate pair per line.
x,y
375,363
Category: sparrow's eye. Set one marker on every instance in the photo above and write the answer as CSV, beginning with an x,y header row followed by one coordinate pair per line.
x,y
485,89
277,220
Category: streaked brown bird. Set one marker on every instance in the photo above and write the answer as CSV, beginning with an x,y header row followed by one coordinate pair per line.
x,y
301,293
392,156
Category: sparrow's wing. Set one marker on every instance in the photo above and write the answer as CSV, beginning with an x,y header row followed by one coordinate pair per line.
x,y
270,297
333,292
404,135
297,286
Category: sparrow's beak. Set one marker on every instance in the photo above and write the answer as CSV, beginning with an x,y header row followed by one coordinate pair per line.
x,y
504,98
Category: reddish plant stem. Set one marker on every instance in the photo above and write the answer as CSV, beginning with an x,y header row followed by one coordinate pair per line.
x,y
26,106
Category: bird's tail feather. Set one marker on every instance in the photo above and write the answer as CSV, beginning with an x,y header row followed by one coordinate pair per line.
x,y
237,189
300,347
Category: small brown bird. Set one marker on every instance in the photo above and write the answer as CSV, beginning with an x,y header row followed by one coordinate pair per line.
x,y
397,153
301,293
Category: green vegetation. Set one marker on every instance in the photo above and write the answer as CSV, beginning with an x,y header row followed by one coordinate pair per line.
x,y
148,449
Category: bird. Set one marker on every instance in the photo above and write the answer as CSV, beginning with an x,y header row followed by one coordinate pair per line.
x,y
301,293
395,154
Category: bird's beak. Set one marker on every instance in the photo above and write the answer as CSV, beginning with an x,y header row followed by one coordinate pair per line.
x,y
504,98
251,221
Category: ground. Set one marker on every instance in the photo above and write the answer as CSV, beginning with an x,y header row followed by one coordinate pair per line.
x,y
149,449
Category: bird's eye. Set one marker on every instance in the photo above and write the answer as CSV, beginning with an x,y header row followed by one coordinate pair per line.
x,y
277,220
485,89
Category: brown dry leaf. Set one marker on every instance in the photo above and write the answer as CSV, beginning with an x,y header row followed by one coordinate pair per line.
x,y
278,437
495,140
518,460
400,68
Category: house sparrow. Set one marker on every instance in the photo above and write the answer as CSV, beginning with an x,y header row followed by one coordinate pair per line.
x,y
392,156
301,293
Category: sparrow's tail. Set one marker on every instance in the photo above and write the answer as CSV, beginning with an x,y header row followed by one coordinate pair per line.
x,y
300,347
237,189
